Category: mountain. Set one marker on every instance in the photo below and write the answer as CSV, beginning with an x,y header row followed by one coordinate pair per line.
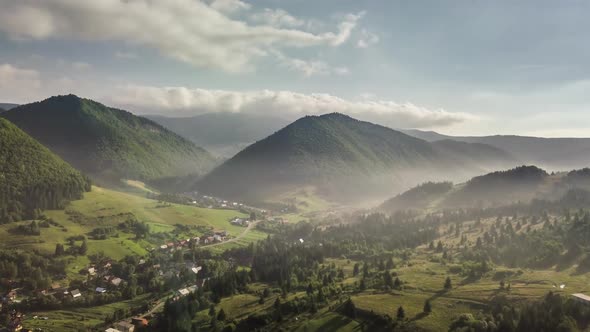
x,y
552,153
520,184
222,133
7,106
32,177
109,143
344,157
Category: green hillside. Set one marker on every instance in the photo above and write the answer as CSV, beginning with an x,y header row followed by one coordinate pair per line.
x,y
521,184
338,154
108,143
31,177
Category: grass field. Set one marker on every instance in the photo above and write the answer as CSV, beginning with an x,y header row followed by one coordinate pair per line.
x,y
104,207
77,319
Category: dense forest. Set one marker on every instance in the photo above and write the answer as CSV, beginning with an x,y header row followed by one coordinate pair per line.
x,y
108,143
32,178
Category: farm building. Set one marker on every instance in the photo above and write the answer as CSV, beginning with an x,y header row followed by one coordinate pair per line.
x,y
583,298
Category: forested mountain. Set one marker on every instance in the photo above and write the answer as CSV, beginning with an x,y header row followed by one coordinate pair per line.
x,y
553,153
342,155
518,185
32,177
108,143
223,133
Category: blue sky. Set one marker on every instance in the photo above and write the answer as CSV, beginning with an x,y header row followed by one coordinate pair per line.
x,y
458,67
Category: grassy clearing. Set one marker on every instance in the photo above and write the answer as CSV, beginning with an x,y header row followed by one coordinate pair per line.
x,y
329,321
79,318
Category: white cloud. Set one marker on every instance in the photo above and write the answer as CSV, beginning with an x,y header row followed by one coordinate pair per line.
x,y
125,55
367,39
277,18
308,68
229,6
184,101
191,31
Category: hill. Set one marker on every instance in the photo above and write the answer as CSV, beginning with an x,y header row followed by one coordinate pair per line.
x,y
109,143
552,153
31,177
522,184
343,157
222,133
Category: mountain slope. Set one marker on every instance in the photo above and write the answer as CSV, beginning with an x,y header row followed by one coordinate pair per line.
x,y
31,177
108,143
555,153
222,133
520,184
339,154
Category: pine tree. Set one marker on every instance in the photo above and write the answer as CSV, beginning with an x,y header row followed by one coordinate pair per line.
x,y
221,315
427,307
448,284
401,314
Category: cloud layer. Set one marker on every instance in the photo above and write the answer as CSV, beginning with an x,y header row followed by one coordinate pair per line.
x,y
181,101
203,34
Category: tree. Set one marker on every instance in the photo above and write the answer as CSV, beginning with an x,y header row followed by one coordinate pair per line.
x,y
448,284
427,307
397,284
349,309
355,271
212,310
401,314
252,215
390,265
221,315
59,249
84,247
387,279
439,247
502,284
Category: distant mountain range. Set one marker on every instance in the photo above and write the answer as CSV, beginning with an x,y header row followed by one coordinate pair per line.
x,y
345,158
227,133
107,143
7,106
223,134
551,153
521,184
32,177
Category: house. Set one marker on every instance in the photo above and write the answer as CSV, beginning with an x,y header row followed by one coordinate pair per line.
x,y
100,290
217,237
110,329
76,294
92,271
183,292
582,298
196,240
141,262
139,321
196,269
116,281
124,326
163,247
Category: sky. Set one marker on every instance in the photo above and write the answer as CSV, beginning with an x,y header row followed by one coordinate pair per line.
x,y
461,67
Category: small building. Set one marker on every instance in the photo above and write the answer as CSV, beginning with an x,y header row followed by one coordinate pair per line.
x,y
110,329
116,281
163,247
100,290
92,271
124,326
183,292
582,298
76,294
139,321
196,269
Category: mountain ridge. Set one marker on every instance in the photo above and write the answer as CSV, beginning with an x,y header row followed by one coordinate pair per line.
x,y
108,143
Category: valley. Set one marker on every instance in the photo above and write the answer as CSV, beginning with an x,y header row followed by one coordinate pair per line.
x,y
329,224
